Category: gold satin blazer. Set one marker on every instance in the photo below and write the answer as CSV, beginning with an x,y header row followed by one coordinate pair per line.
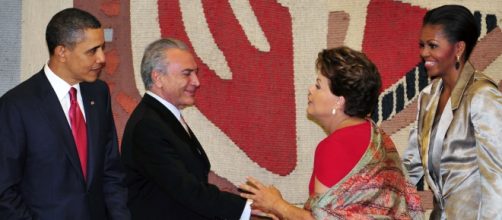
x,y
467,148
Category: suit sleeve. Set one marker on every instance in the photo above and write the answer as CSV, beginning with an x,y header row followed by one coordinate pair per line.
x,y
411,159
411,156
12,158
158,154
114,186
486,117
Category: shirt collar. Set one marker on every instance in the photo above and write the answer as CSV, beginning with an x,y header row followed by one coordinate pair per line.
x,y
168,105
60,86
462,83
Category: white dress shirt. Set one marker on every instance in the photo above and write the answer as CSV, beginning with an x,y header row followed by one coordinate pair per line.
x,y
62,90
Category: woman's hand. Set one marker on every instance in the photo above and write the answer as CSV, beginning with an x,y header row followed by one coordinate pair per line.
x,y
260,213
268,200
265,198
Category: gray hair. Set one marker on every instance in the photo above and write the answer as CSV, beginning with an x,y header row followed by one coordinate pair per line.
x,y
154,58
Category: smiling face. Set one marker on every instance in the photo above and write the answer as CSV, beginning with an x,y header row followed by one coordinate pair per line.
x,y
321,100
82,62
179,84
438,54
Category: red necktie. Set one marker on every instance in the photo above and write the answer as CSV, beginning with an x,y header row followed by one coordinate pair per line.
x,y
79,130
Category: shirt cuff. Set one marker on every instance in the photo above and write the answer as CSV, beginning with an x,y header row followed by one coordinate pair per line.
x,y
246,213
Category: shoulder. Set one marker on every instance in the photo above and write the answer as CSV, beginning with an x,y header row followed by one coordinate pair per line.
x,y
481,90
144,117
99,86
26,90
482,82
483,96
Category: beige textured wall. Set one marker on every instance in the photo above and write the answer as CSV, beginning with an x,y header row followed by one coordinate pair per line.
x,y
310,30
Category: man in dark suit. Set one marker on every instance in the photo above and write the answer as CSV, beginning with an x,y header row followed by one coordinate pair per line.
x,y
58,146
167,169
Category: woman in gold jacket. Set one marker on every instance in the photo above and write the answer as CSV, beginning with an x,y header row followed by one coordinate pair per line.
x,y
457,144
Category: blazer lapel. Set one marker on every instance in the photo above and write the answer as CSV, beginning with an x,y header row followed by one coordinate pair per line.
x,y
50,105
465,78
430,102
177,127
200,150
92,130
441,130
447,117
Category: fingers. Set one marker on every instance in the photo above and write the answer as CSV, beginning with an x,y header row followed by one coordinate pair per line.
x,y
273,217
247,191
246,195
258,212
254,182
262,213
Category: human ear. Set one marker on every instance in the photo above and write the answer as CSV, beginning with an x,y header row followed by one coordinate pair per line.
x,y
156,78
460,49
60,53
340,101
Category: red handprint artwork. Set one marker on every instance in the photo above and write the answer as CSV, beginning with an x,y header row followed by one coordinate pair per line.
x,y
256,107
252,94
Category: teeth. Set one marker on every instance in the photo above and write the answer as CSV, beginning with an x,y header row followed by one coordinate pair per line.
x,y
429,63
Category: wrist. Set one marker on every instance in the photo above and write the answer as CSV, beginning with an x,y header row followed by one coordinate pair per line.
x,y
281,208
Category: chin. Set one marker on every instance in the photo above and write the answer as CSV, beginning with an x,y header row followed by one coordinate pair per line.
x,y
432,73
189,102
91,77
309,112
90,80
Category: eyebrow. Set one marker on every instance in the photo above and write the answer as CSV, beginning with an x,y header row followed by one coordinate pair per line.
x,y
96,47
191,70
434,41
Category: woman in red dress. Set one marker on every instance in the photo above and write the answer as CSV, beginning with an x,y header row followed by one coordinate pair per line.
x,y
357,170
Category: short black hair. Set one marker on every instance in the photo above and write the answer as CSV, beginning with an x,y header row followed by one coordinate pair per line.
x,y
458,24
351,75
67,28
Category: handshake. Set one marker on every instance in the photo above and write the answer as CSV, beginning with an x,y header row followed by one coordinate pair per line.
x,y
266,201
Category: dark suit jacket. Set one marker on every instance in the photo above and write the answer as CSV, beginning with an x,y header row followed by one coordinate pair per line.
x,y
167,170
40,174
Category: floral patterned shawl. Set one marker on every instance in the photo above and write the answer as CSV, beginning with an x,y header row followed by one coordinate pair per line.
x,y
376,188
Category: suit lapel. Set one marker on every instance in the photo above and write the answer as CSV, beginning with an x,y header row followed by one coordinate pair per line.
x,y
178,128
199,149
430,102
88,99
50,105
446,118
441,128
465,78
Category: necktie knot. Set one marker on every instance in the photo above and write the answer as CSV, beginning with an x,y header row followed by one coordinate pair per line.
x,y
73,95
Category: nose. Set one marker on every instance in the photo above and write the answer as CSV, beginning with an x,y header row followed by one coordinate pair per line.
x,y
194,79
100,56
424,52
311,88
